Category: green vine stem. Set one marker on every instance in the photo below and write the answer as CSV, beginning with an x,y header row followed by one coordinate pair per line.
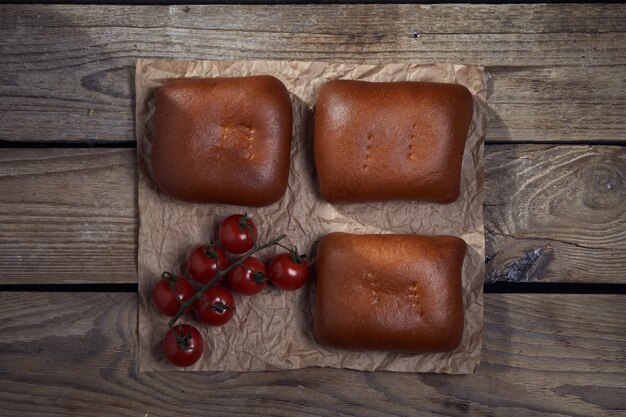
x,y
293,250
259,277
190,301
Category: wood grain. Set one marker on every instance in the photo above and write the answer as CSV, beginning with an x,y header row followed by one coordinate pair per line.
x,y
569,201
76,354
555,71
70,215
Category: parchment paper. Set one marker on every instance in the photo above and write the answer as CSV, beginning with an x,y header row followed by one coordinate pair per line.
x,y
273,330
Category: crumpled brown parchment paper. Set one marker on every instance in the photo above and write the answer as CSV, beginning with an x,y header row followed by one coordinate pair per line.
x,y
273,330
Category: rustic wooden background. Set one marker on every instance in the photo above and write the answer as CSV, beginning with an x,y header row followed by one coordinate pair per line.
x,y
555,206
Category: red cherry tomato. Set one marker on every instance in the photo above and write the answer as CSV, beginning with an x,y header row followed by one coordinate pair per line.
x,y
215,306
248,281
237,233
288,271
205,261
183,345
169,291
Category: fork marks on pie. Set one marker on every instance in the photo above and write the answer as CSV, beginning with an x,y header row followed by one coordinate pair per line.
x,y
368,148
238,139
412,143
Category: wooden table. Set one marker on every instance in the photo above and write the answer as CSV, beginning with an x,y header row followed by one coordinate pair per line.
x,y
555,206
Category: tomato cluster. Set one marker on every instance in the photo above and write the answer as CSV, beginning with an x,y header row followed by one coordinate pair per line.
x,y
213,303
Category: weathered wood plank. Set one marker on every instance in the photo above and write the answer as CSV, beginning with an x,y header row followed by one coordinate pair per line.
x,y
567,203
556,71
556,104
70,215
76,354
428,19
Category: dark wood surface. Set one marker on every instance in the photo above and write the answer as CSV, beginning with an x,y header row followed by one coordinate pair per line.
x,y
555,205
568,200
555,71
76,354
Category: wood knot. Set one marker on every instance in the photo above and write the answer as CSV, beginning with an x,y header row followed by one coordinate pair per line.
x,y
109,82
604,185
606,179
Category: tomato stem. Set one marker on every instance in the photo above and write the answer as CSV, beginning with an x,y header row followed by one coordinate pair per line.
x,y
259,277
293,250
244,226
185,304
167,275
171,279
220,307
183,340
209,251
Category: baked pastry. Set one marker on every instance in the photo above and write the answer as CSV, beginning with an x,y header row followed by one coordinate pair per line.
x,y
391,140
398,293
222,140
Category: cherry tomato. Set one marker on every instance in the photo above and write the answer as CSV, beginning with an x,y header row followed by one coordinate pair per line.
x,y
205,261
248,281
288,271
169,291
237,233
183,345
215,306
